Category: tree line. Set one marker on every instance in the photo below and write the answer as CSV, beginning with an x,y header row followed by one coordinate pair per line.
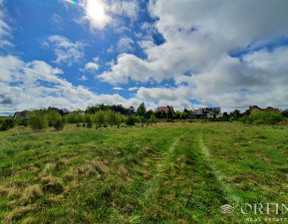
x,y
101,115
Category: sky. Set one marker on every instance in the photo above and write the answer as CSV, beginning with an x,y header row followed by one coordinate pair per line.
x,y
183,53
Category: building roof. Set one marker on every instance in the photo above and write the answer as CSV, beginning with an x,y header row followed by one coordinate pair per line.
x,y
165,109
268,109
207,110
276,110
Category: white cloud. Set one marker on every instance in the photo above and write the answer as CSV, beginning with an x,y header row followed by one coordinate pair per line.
x,y
5,29
5,43
38,85
113,11
125,44
83,78
58,21
65,50
9,67
91,66
198,38
118,88
111,49
126,8
131,89
261,79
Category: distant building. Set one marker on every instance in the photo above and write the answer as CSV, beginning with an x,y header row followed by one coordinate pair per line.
x,y
256,108
270,109
23,114
165,110
207,112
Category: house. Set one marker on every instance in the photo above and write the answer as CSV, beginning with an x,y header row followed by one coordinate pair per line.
x,y
207,112
251,109
23,114
165,110
256,108
271,109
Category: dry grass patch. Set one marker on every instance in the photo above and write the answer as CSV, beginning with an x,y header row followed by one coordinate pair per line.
x,y
18,213
52,184
49,167
31,194
100,166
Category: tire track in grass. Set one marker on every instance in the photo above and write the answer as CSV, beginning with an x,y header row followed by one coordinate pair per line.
x,y
154,182
227,189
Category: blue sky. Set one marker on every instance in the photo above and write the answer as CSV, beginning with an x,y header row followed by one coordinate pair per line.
x,y
187,54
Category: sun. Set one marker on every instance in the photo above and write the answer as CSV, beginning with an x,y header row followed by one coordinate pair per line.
x,y
95,10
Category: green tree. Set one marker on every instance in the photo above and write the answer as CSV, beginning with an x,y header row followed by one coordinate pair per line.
x,y
53,116
59,125
130,121
141,110
153,119
285,113
236,114
100,117
38,120
7,123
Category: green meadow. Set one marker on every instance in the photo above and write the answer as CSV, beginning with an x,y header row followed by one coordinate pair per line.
x,y
161,173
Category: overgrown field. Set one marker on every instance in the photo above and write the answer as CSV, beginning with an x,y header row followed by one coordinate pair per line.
x,y
165,173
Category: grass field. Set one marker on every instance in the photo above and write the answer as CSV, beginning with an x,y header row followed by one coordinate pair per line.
x,y
165,173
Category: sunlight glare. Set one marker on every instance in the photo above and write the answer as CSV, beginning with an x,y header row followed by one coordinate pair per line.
x,y
95,10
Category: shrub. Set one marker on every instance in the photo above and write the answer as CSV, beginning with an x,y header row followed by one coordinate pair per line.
x,y
22,121
100,117
53,117
38,121
88,120
59,125
130,121
7,123
170,120
263,117
73,118
153,119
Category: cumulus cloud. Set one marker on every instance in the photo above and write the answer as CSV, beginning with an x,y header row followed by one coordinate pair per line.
x,y
65,50
125,8
83,78
125,44
91,66
38,85
199,39
109,10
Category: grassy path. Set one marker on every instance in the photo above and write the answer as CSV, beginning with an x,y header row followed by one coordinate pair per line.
x,y
183,188
229,192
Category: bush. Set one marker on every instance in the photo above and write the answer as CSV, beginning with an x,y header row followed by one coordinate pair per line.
x,y
100,117
73,118
130,121
38,121
7,123
59,125
22,121
263,117
153,119
53,117
88,120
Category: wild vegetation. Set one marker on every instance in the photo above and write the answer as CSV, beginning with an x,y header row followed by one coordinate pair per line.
x,y
161,173
103,115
